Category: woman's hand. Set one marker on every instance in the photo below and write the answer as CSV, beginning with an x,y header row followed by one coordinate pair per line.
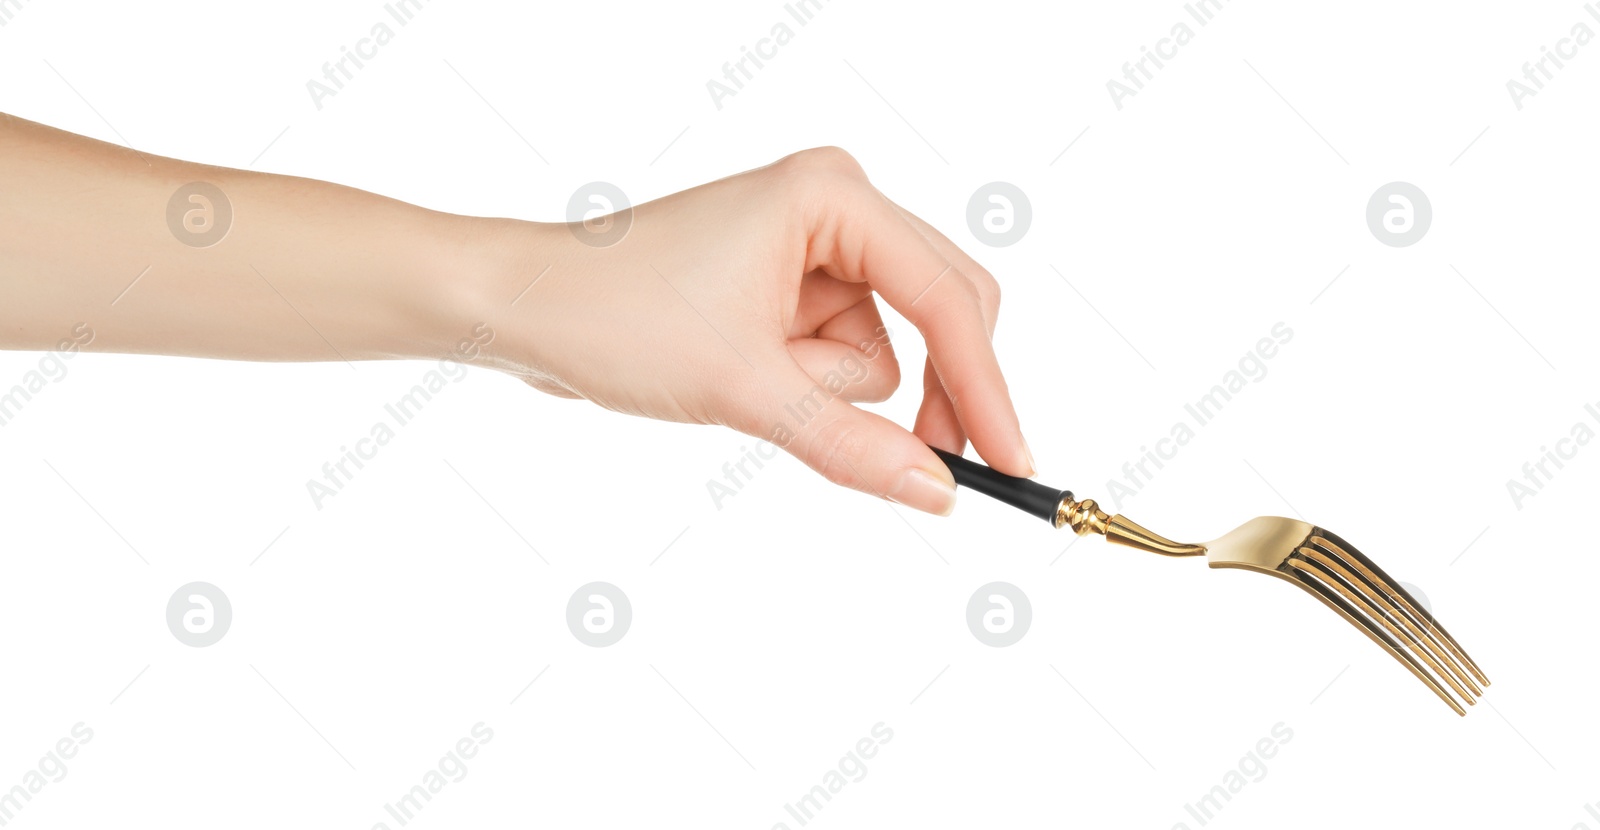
x,y
749,302
746,302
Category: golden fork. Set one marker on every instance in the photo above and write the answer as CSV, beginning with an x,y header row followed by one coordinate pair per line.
x,y
1321,563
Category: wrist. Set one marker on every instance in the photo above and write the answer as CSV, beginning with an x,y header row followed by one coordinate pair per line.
x,y
486,288
447,284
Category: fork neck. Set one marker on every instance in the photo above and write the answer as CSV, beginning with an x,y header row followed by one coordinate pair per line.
x,y
1086,517
1060,508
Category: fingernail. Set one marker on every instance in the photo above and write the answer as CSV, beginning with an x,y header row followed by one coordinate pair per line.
x,y
926,492
1033,469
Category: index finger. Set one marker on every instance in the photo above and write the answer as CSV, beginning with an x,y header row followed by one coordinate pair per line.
x,y
860,236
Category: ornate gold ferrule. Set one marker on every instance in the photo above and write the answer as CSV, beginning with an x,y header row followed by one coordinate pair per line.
x,y
1082,516
1085,516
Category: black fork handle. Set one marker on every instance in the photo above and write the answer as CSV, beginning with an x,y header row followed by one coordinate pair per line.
x,y
1025,494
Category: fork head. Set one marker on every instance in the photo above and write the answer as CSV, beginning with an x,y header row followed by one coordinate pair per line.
x,y
1329,569
1333,571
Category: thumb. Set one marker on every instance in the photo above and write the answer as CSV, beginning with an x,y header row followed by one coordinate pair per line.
x,y
856,448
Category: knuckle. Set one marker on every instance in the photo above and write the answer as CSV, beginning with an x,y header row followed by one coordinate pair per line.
x,y
958,295
881,383
969,288
891,382
831,449
872,390
823,163
832,159
877,394
987,286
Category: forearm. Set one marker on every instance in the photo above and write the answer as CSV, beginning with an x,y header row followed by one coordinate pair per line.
x,y
746,302
303,270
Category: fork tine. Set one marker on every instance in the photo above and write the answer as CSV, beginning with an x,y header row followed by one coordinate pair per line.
x,y
1394,607
1370,600
1321,563
1308,577
1399,595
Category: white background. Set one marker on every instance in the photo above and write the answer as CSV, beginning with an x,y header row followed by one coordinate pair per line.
x,y
776,631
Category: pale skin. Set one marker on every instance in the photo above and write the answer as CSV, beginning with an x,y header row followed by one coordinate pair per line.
x,y
729,303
